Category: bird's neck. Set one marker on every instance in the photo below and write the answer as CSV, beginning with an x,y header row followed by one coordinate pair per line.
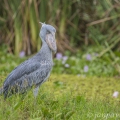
x,y
46,51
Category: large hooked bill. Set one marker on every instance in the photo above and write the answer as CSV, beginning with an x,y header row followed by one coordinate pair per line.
x,y
50,39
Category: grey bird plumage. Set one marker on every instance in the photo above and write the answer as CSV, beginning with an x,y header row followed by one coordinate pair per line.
x,y
34,71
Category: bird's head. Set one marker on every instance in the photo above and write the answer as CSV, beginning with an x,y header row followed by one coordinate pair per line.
x,y
47,34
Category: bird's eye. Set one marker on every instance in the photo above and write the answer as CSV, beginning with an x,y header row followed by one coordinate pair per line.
x,y
48,32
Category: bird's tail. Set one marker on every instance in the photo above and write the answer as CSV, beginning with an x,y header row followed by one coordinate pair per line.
x,y
1,90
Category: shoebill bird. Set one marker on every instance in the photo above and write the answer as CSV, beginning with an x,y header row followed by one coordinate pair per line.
x,y
34,71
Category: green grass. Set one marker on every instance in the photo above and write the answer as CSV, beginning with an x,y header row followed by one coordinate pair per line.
x,y
65,97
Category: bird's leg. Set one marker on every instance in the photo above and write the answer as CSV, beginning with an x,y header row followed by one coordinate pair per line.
x,y
35,92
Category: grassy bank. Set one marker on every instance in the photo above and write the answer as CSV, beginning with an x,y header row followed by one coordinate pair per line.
x,y
66,97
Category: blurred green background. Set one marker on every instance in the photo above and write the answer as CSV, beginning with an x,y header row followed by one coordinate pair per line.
x,y
88,34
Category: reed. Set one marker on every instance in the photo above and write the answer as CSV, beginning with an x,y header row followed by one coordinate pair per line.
x,y
78,23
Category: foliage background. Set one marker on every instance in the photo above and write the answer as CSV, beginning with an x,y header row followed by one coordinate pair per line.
x,y
88,40
79,23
